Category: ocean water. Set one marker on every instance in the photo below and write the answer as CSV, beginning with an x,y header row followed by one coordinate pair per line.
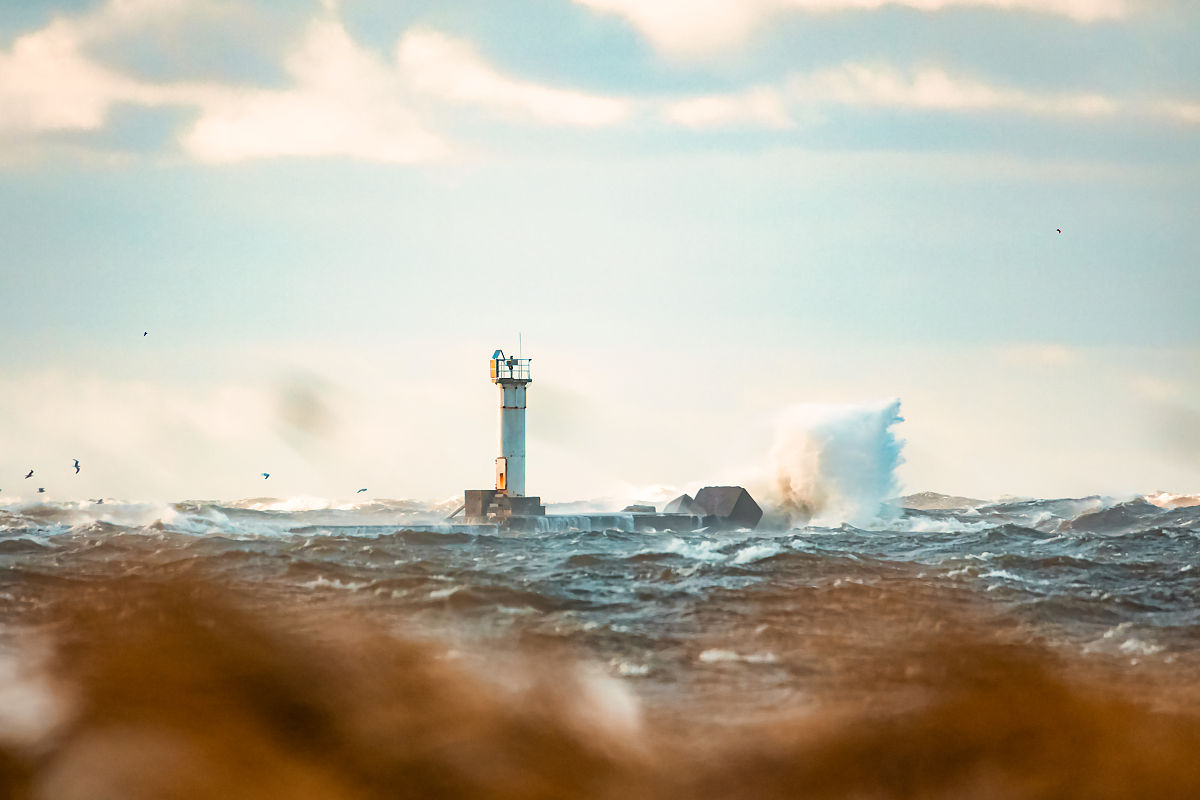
x,y
291,622
1093,574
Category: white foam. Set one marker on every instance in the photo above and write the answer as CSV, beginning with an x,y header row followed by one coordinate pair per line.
x,y
321,582
1137,647
1120,639
717,656
303,503
627,669
701,550
755,552
1004,574
945,525
837,463
1169,500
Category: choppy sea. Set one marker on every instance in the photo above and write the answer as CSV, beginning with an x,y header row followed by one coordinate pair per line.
x,y
1031,648
1098,575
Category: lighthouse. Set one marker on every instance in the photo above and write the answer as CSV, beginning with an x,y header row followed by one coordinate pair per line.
x,y
508,500
509,509
511,374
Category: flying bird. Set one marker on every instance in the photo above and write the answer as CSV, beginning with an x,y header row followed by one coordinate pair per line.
x,y
144,333
266,475
30,475
40,490
1058,229
360,491
76,460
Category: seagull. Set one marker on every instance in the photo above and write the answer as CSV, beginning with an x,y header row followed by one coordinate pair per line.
x,y
360,491
1058,229
40,490
266,475
30,475
76,460
145,333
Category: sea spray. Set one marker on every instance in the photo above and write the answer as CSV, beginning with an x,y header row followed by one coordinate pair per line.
x,y
836,463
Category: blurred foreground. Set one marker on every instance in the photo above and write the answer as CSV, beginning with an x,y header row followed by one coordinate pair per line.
x,y
170,686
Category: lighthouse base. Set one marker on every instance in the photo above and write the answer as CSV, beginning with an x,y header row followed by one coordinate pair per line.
x,y
489,504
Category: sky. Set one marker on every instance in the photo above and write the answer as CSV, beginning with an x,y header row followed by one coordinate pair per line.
x,y
258,236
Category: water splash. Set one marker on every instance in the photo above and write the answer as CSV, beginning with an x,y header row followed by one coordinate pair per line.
x,y
836,463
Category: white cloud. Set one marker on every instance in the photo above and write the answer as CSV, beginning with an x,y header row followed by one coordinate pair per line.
x,y
932,88
449,68
690,27
137,432
874,86
1179,111
344,102
1155,388
46,83
758,107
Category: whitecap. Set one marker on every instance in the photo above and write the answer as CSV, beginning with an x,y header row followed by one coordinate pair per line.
x,y
321,582
755,552
716,656
627,669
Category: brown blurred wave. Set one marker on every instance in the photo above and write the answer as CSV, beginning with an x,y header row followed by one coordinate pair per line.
x,y
187,688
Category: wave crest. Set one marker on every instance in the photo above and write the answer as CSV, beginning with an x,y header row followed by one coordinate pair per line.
x,y
836,463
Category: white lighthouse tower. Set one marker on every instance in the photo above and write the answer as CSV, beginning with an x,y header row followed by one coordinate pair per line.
x,y
507,503
511,374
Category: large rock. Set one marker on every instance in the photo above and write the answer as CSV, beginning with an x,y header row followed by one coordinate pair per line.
x,y
732,504
684,504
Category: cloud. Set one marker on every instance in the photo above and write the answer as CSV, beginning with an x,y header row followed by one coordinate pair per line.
x,y
46,83
448,68
345,101
764,107
926,88
932,88
1155,388
1179,111
136,432
49,82
692,27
